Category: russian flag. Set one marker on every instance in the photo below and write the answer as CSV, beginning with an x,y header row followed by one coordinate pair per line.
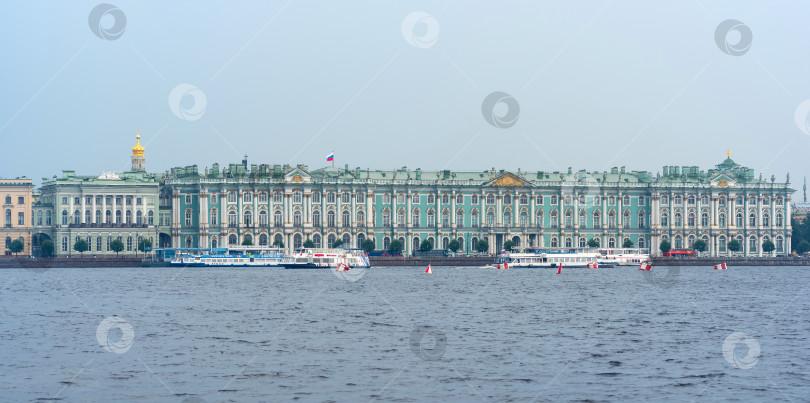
x,y
330,157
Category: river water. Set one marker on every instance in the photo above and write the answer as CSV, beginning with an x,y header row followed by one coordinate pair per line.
x,y
398,334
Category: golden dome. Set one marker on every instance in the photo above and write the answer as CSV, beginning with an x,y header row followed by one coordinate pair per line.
x,y
137,151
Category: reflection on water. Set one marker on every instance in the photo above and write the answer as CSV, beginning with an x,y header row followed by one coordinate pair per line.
x,y
399,334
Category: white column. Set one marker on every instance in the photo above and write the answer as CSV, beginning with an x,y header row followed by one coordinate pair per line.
x,y
104,209
93,214
84,207
115,207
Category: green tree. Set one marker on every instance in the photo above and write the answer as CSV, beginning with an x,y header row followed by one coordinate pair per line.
x,y
395,247
699,245
338,243
593,243
665,246
80,246
247,241
628,243
309,244
768,246
508,245
482,246
16,246
803,246
734,245
144,244
278,243
368,245
117,246
453,245
46,249
426,246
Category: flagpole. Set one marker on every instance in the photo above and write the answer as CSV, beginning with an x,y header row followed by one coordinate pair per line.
x,y
333,158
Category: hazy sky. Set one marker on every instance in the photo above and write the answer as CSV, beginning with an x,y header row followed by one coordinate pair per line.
x,y
598,84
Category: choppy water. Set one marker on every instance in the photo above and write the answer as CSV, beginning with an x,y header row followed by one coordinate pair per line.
x,y
398,334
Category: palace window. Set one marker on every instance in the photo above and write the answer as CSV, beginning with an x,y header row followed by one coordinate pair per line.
x,y
690,220
704,219
445,219
297,218
739,219
346,197
297,196
721,220
568,242
262,197
567,200
642,200
752,220
554,242
626,219
474,220
597,219
642,242
316,239
642,219
431,198
524,219
48,218
490,218
39,217
507,199
361,198
752,244
386,217
330,219
704,199
569,218
386,198
779,220
664,219
400,198
459,198
232,196
678,242
539,200
739,200
431,219
582,242
474,199
678,200
555,220
316,197
129,244
664,199
678,221
20,218
361,219
766,219
445,198
415,218
507,218
247,218
721,243
490,198
278,219
611,242
596,200
581,200
460,219
316,218
583,219
779,201
214,217
64,243
626,200
188,199
611,200
188,217
278,197
780,246
138,217
539,218
691,200
611,219
766,200
415,198
752,200
553,200
346,218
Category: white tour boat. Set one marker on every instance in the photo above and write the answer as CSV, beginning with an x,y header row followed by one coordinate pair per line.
x,y
551,257
231,257
623,256
327,258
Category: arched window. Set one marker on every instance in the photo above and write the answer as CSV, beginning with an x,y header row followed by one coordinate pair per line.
x,y
524,219
642,242
278,219
415,217
691,241
460,219
187,220
642,219
330,198
262,217
445,243
431,219
739,219
626,218
507,218
48,218
262,239
415,198
752,220
278,240
539,199
386,217
555,220
346,218
247,218
360,238
611,219
297,198
690,220
316,219
361,218
678,242
232,239
474,199
490,199
507,199
39,217
129,243
664,219
752,244
766,219
347,241
316,197
597,219
400,198
780,244
582,242
554,243
401,217
214,242
678,221
524,199
554,200
445,198
297,241
721,220
611,242
704,219
539,218
459,198
780,221
721,243
568,242
316,239
569,219
330,219
297,222
431,199
248,239
386,243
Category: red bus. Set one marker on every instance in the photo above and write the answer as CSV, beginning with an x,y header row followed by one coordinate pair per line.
x,y
681,253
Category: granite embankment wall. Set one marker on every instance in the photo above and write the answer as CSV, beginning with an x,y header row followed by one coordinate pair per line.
x,y
731,261
40,263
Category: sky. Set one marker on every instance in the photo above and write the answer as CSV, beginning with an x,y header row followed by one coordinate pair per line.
x,y
388,83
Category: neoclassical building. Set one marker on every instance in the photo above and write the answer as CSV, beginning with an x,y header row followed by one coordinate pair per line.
x,y
98,209
264,203
16,195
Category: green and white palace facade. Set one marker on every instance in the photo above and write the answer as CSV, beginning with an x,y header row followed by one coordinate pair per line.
x,y
264,203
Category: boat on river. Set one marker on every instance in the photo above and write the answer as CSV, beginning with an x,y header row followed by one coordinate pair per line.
x,y
327,258
244,256
623,256
551,257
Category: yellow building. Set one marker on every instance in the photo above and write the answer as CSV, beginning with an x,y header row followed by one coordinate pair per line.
x,y
16,196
